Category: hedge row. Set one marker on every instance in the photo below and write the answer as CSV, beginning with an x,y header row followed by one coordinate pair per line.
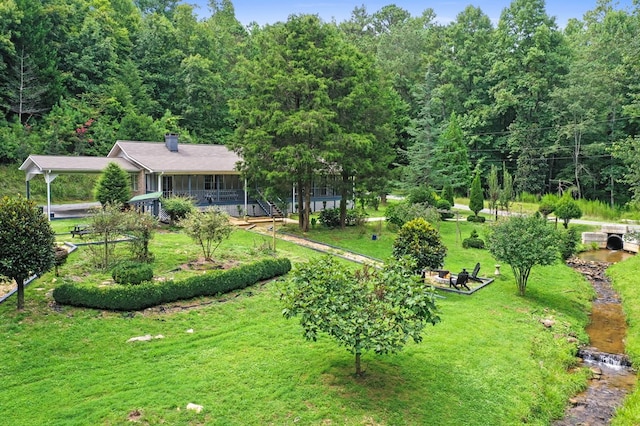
x,y
133,298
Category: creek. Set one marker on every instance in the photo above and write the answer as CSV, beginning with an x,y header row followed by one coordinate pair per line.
x,y
612,375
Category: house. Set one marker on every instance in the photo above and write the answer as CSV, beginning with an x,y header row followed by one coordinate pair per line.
x,y
206,173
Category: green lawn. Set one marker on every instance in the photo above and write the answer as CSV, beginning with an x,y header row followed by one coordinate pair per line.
x,y
490,361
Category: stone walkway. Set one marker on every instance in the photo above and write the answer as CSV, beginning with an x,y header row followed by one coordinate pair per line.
x,y
267,230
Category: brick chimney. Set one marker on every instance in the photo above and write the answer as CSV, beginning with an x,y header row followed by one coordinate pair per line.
x,y
171,141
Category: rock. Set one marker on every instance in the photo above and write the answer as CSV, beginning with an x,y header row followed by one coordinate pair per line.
x,y
572,339
144,338
597,372
548,323
190,330
195,407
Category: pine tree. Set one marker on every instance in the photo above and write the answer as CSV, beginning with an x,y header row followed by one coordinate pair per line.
x,y
113,186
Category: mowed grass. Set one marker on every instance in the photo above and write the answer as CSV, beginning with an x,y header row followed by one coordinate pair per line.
x,y
624,276
490,360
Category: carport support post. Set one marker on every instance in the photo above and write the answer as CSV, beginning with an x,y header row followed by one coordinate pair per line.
x,y
49,177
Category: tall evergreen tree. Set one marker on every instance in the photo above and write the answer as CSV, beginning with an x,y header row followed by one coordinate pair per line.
x,y
113,186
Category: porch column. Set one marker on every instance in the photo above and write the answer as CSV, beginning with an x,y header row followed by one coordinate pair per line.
x,y
48,178
246,199
160,182
293,198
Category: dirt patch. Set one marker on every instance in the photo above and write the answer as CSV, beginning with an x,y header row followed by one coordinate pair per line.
x,y
6,287
201,264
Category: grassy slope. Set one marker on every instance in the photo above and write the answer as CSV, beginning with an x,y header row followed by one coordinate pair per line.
x,y
625,280
489,362
64,189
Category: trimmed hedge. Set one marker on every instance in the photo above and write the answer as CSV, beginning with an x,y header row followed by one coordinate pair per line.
x,y
132,273
474,218
133,298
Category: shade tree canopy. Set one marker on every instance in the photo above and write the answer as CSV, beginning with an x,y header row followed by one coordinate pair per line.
x,y
364,310
524,242
27,242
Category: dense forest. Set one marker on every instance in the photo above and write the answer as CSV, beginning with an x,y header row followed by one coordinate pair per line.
x,y
384,96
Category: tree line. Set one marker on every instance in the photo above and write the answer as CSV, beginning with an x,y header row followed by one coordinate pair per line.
x,y
383,97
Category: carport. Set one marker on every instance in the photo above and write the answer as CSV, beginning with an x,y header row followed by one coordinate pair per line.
x,y
51,166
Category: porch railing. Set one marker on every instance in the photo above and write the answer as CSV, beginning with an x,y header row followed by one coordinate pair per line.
x,y
209,196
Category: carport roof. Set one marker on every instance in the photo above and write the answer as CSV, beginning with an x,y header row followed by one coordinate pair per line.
x,y
57,164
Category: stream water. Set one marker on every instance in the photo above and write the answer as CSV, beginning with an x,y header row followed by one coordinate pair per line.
x,y
613,377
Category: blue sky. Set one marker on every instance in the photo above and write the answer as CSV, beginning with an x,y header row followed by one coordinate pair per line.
x,y
266,12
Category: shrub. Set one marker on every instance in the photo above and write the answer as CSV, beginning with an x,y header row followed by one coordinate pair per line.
x,y
444,207
177,207
399,214
478,219
569,240
474,241
422,195
132,273
147,294
547,204
418,239
60,259
331,217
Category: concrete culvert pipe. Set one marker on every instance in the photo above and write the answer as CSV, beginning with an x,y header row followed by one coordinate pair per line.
x,y
615,242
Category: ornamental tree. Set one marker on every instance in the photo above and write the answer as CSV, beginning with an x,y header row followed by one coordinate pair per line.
x,y
208,229
27,242
567,209
113,186
421,241
547,204
524,242
367,309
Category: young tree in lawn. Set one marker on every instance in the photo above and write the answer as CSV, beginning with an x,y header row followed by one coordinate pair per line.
x,y
493,190
506,194
476,198
60,257
567,209
141,227
27,242
524,242
113,186
208,229
367,309
421,241
107,224
547,204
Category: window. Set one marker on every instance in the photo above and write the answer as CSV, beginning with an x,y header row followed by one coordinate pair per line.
x,y
208,182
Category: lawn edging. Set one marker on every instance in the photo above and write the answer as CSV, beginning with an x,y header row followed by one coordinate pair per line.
x,y
137,297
